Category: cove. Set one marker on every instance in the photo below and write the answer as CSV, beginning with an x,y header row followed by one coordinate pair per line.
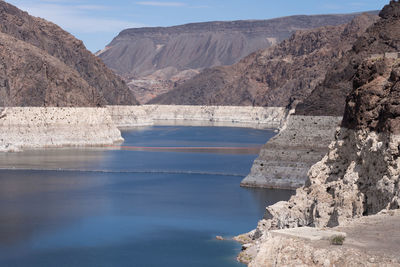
x,y
129,207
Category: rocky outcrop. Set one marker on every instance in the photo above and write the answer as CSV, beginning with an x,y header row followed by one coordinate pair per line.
x,y
31,76
42,65
284,161
359,176
154,58
126,116
37,127
370,241
330,96
280,76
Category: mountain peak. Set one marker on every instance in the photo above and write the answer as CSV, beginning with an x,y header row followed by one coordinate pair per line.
x,y
392,10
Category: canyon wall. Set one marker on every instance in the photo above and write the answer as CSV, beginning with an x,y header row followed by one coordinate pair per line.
x,y
285,159
271,117
359,175
40,127
36,127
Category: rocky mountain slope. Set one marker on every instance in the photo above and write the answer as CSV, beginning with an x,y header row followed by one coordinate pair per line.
x,y
359,175
277,76
42,65
329,97
155,60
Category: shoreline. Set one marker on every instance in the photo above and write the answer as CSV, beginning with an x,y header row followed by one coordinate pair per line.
x,y
52,127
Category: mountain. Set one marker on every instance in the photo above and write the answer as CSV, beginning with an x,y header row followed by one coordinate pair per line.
x,y
278,76
43,65
155,60
329,97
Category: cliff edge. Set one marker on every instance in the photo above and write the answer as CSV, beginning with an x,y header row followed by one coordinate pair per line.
x,y
359,176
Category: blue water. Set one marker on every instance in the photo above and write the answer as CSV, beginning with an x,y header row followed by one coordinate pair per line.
x,y
101,207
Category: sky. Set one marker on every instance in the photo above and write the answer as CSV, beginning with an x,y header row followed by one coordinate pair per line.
x,y
97,22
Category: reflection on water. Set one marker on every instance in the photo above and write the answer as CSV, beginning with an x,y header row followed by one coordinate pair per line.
x,y
114,218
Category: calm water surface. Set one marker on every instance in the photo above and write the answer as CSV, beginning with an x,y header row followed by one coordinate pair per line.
x,y
122,207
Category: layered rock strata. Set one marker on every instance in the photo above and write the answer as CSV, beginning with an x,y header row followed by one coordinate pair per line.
x,y
217,115
284,161
36,127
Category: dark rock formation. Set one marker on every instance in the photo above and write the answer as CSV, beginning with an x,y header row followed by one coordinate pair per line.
x,y
137,54
46,66
375,103
329,97
279,76
31,77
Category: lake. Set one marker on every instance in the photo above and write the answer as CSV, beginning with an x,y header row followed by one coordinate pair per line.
x,y
158,200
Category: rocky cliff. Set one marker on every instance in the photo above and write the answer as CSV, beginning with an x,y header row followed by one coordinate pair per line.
x,y
152,59
279,76
42,65
44,127
285,159
329,97
257,117
359,175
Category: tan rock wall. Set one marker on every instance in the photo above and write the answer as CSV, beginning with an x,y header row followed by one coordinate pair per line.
x,y
212,115
285,159
35,127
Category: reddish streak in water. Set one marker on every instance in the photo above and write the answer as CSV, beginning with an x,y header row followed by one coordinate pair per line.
x,y
184,148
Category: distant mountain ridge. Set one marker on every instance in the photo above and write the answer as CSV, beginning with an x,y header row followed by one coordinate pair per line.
x,y
282,75
43,65
152,59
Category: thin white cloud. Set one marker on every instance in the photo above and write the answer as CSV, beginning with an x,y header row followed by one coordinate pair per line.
x,y
165,4
199,6
78,18
332,7
92,7
356,4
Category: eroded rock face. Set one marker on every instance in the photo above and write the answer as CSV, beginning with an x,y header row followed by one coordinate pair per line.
x,y
375,105
280,76
360,174
63,72
44,127
31,77
329,98
286,158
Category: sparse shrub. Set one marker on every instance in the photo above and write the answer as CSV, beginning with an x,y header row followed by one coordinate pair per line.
x,y
337,240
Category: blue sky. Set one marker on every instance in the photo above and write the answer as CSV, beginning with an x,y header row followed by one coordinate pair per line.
x,y
96,22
